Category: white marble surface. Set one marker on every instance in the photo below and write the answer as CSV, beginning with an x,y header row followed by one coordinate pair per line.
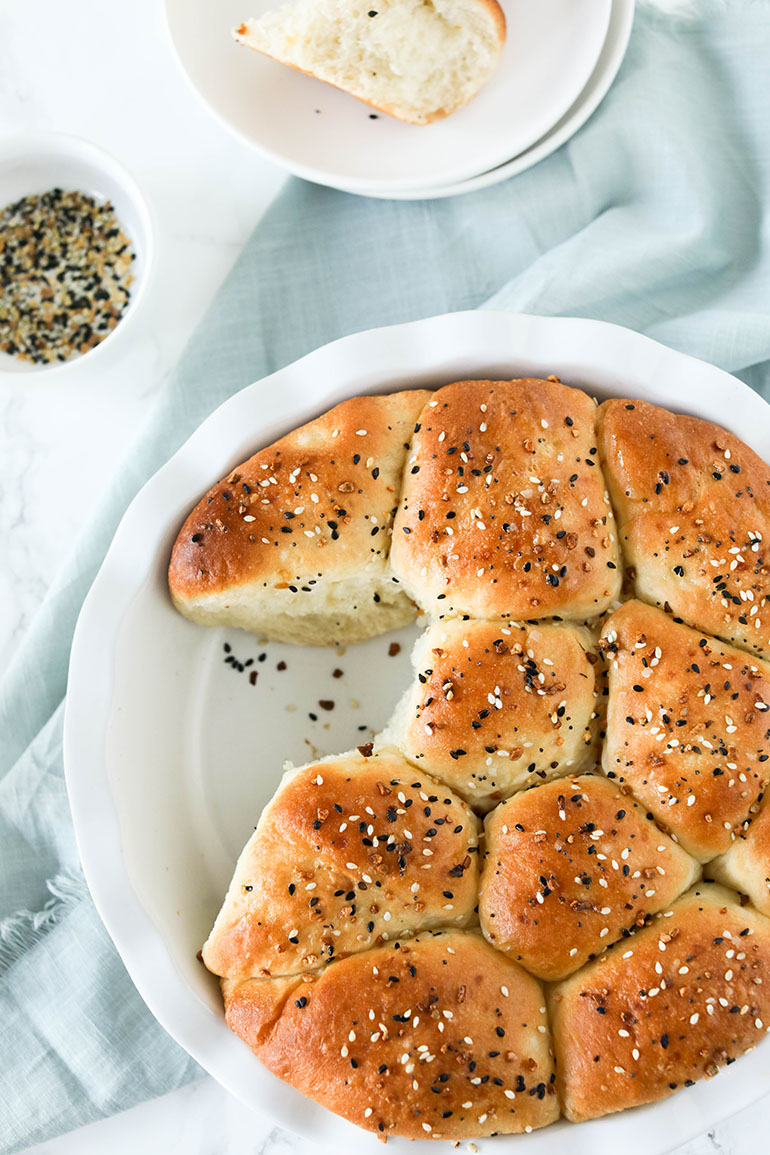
x,y
72,67
64,67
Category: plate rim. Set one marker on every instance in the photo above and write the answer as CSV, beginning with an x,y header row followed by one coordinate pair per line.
x,y
91,680
579,113
361,186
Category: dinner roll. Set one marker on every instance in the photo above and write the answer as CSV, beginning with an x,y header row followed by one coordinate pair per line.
x,y
746,865
351,851
377,949
437,1038
504,512
569,868
417,60
676,1002
693,507
496,706
293,544
687,725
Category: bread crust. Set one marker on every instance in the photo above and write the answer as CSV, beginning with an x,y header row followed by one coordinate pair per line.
x,y
498,706
687,725
350,852
504,512
670,1006
571,867
441,1037
311,511
693,508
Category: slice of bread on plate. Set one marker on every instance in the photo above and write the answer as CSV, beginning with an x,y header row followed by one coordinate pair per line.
x,y
417,60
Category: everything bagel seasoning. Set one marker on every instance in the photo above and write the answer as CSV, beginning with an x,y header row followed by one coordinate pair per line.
x,y
65,274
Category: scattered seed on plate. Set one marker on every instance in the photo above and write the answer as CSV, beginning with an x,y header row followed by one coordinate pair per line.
x,y
65,274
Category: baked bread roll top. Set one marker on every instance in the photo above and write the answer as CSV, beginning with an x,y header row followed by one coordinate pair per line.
x,y
746,864
687,725
673,1004
497,706
504,512
293,544
570,868
693,508
440,1037
351,852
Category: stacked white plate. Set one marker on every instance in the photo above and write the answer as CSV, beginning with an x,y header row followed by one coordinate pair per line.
x,y
560,58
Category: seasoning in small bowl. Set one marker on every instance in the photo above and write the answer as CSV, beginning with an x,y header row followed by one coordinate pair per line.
x,y
65,275
75,246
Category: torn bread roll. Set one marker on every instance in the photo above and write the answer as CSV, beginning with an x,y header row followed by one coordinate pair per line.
x,y
746,864
293,545
675,1003
417,60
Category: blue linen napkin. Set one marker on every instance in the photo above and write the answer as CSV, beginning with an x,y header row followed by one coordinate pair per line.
x,y
656,216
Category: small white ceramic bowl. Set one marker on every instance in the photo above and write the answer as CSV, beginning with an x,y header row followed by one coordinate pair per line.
x,y
36,162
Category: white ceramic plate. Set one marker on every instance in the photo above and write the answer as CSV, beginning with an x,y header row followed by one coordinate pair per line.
x,y
34,162
170,753
610,60
327,136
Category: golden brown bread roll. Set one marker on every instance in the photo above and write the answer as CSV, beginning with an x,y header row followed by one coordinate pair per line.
x,y
496,706
746,865
693,509
569,868
687,725
293,544
504,512
349,853
673,1004
440,1037
504,516
418,61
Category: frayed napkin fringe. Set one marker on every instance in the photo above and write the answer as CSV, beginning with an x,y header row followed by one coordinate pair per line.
x,y
22,931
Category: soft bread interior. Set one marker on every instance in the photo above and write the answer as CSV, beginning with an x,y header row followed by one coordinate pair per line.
x,y
349,610
415,59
